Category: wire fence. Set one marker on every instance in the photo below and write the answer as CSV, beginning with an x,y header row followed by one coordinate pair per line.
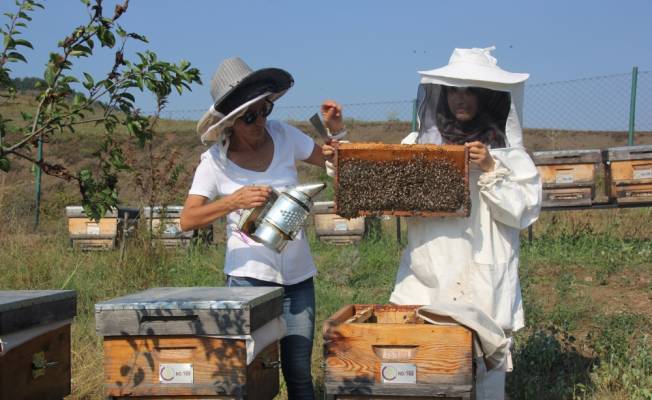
x,y
601,103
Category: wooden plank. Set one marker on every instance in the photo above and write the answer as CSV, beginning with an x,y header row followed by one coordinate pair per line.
x,y
131,367
86,226
93,244
567,197
457,154
567,174
566,157
17,378
340,240
334,225
360,316
263,374
350,390
353,352
630,181
624,170
628,153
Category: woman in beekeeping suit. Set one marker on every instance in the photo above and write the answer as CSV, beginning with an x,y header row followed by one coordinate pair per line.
x,y
474,261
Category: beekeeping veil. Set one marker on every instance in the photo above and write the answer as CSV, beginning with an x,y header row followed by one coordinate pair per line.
x,y
472,68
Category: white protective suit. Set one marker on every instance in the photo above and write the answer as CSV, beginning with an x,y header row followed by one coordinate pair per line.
x,y
474,260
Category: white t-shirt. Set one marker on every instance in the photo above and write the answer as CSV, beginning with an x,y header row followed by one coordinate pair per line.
x,y
245,257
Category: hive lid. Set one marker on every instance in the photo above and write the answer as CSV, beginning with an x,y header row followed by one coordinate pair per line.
x,y
323,207
162,212
192,298
23,309
78,212
624,153
567,157
189,311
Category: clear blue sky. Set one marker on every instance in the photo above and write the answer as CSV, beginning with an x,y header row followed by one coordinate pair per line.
x,y
364,50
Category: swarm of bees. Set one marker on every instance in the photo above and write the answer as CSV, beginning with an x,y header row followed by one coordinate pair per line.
x,y
417,184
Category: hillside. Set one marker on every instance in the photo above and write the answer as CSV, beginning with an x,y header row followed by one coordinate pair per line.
x,y
75,150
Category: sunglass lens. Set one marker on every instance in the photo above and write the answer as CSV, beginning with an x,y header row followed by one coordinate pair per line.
x,y
269,106
250,117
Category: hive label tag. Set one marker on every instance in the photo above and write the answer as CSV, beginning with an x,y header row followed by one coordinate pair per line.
x,y
643,173
340,226
398,373
175,373
92,228
564,178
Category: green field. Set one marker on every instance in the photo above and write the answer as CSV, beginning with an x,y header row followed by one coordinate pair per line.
x,y
586,288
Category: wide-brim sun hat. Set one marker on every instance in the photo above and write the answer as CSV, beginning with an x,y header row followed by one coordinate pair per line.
x,y
235,87
475,65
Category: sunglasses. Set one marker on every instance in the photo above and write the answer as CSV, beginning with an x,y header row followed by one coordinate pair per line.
x,y
251,116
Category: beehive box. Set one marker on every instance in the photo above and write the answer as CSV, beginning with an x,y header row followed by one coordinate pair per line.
x,y
568,176
385,182
331,228
210,343
388,352
87,234
35,343
165,225
629,176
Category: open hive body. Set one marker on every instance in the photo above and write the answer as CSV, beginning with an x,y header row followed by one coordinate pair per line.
x,y
629,176
568,176
387,352
210,343
456,154
35,356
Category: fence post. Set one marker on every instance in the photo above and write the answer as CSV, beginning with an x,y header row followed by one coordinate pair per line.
x,y
632,108
39,158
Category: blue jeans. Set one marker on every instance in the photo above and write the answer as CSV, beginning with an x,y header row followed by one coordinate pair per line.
x,y
296,346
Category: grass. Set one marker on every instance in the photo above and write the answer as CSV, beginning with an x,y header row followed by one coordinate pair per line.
x,y
580,342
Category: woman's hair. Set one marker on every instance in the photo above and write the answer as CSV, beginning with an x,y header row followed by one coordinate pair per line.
x,y
488,125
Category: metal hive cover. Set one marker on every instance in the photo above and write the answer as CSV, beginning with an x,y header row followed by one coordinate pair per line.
x,y
189,311
22,309
192,298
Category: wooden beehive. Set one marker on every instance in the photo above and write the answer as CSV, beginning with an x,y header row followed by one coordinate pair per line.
x,y
165,225
388,352
331,228
629,174
87,234
568,176
35,343
457,154
209,343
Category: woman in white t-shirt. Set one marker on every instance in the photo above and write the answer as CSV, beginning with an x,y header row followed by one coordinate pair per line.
x,y
252,155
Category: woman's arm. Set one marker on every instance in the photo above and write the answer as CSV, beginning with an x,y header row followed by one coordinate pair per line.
x,y
319,155
198,211
512,190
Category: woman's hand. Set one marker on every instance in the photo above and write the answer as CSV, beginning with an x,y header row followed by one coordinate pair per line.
x,y
249,197
328,151
480,156
331,113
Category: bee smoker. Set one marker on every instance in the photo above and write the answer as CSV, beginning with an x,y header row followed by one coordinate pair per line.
x,y
280,219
